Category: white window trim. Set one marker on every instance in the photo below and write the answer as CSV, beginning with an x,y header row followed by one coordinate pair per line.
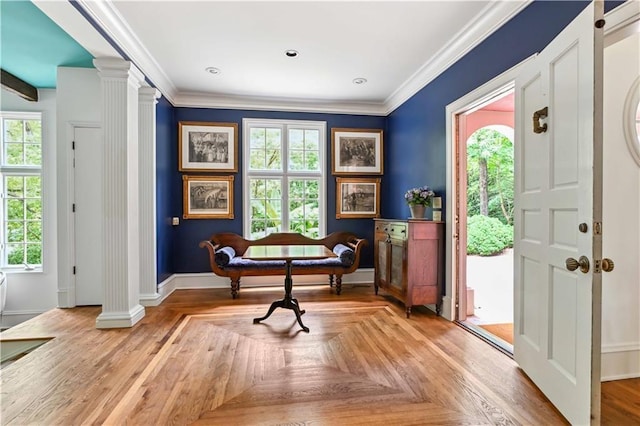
x,y
321,126
22,171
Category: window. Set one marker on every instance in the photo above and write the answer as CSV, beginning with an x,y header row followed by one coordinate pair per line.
x,y
21,173
284,189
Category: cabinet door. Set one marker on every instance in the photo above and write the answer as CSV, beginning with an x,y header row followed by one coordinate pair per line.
x,y
382,266
397,267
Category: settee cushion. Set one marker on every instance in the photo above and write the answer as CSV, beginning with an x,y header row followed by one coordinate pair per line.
x,y
224,255
345,254
239,262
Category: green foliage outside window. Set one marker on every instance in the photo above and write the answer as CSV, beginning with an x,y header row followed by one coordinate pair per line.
x,y
23,193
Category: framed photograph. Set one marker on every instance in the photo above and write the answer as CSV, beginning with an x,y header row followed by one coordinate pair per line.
x,y
207,197
357,197
356,151
210,147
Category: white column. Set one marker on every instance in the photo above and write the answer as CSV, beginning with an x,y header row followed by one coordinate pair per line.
x,y
121,250
148,98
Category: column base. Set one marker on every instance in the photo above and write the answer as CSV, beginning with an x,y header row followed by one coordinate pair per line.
x,y
120,319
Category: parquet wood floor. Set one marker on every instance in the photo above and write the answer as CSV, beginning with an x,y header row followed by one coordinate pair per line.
x,y
199,359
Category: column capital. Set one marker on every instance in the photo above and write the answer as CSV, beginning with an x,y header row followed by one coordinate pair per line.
x,y
148,94
118,68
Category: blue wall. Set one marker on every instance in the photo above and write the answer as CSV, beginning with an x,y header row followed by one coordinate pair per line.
x,y
417,129
184,251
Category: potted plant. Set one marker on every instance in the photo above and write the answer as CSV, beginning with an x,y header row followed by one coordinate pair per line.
x,y
419,199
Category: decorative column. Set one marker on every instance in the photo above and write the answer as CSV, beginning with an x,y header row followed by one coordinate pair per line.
x,y
148,98
121,239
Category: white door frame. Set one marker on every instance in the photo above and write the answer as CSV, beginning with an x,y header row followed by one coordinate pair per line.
x,y
468,102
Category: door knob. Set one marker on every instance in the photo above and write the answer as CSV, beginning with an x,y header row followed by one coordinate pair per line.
x,y
607,265
573,264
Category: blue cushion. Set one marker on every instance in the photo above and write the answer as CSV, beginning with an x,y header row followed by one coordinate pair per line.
x,y
241,263
345,254
331,261
224,255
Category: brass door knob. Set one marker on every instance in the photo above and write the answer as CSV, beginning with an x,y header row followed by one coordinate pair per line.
x,y
607,265
573,264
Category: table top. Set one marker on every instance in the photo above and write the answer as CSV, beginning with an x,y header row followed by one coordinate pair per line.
x,y
288,252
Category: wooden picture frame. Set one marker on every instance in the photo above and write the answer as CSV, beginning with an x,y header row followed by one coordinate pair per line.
x,y
357,198
356,151
207,197
207,147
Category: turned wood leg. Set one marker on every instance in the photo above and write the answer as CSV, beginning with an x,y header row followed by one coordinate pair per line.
x,y
330,280
338,284
235,286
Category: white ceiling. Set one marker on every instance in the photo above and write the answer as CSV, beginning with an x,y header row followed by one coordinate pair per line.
x,y
397,46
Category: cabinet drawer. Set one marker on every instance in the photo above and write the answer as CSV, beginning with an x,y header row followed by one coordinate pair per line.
x,y
395,230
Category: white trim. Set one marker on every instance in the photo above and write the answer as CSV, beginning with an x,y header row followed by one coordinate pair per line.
x,y
165,288
619,21
464,104
621,347
120,319
620,361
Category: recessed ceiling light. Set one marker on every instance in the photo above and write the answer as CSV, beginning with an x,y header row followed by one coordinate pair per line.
x,y
359,80
213,70
291,53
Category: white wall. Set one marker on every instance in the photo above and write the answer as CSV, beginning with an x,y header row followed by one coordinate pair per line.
x,y
31,293
79,104
621,220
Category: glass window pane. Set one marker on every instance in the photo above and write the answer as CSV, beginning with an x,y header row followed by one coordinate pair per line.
x,y
15,186
296,189
34,231
312,140
15,209
15,231
33,155
34,209
274,160
296,160
15,154
33,131
257,160
34,254
274,209
312,190
15,254
312,161
274,139
257,187
257,137
258,209
296,139
34,186
13,131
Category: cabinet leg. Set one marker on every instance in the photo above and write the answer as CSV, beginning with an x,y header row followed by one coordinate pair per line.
x,y
408,311
375,286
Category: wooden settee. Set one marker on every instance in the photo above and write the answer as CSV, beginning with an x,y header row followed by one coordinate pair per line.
x,y
229,263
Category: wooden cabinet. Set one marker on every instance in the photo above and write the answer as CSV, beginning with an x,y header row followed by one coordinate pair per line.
x,y
408,257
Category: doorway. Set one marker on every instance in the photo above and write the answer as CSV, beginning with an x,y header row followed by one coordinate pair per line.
x,y
484,209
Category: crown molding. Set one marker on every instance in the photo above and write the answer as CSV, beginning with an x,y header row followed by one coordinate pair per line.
x,y
109,20
204,100
494,15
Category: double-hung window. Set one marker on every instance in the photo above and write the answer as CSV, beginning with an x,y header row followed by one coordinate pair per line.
x,y
284,177
21,175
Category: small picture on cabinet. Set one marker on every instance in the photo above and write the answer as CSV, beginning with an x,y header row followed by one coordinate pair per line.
x,y
207,197
357,198
356,151
208,147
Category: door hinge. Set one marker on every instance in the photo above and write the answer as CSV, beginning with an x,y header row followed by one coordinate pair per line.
x,y
74,270
73,207
73,144
597,266
597,228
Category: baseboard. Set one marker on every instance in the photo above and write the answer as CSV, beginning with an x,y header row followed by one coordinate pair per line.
x,y
165,288
620,361
447,311
9,319
120,319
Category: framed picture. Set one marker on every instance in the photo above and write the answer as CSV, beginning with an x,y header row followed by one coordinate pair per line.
x,y
356,151
207,197
211,147
357,197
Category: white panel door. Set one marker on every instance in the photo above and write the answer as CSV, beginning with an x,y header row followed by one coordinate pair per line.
x,y
88,215
559,186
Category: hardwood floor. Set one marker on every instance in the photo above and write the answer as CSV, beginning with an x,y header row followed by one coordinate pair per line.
x,y
199,359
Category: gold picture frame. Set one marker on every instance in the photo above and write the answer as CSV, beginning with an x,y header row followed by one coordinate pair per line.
x,y
356,151
357,198
207,197
207,147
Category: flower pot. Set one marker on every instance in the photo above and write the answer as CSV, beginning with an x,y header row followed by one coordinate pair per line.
x,y
417,211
